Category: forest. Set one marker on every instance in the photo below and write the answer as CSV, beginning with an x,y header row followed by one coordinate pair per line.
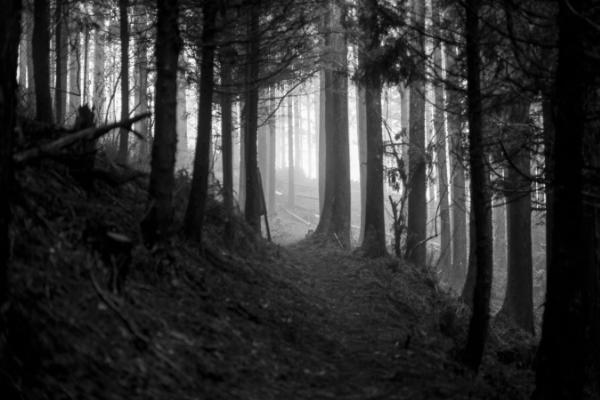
x,y
300,199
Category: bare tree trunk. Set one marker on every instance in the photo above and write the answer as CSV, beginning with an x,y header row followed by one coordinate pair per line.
x,y
242,163
100,38
86,64
10,29
41,60
74,69
457,275
158,220
272,143
471,273
123,155
28,37
291,153
361,116
181,160
252,206
480,196
62,51
518,302
194,220
334,224
321,145
564,347
141,87
226,140
445,258
417,201
373,244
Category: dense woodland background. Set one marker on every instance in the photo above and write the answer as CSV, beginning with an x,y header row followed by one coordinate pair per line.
x,y
300,199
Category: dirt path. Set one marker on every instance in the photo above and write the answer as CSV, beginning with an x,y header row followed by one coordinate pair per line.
x,y
380,321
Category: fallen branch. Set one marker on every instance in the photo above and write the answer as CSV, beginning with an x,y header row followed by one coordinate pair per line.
x,y
85,134
296,216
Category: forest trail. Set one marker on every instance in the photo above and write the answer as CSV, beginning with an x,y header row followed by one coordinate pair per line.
x,y
383,327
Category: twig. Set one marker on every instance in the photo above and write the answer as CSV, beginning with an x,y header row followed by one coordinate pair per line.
x,y
131,326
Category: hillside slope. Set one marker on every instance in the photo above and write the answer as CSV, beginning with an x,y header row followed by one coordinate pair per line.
x,y
241,320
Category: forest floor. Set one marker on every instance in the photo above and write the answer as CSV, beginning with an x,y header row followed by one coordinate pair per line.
x,y
243,319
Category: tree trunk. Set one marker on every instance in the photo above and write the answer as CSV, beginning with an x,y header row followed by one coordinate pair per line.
x,y
41,60
321,140
123,155
416,249
252,205
226,140
445,258
194,220
99,98
28,36
456,276
499,242
361,116
291,160
86,63
158,220
373,244
480,196
242,163
272,157
181,158
471,273
62,51
518,302
10,28
334,224
298,167
562,356
141,88
74,68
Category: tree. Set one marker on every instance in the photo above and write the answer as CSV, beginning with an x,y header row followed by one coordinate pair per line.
x,y
361,131
159,217
141,84
194,220
98,97
458,184
417,202
227,58
41,60
569,330
272,155
62,49
10,28
373,244
291,153
334,222
74,70
252,204
442,165
124,35
480,196
518,302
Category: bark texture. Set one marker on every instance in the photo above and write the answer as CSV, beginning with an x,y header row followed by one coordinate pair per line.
x,y
334,224
160,215
124,35
480,195
194,218
417,200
